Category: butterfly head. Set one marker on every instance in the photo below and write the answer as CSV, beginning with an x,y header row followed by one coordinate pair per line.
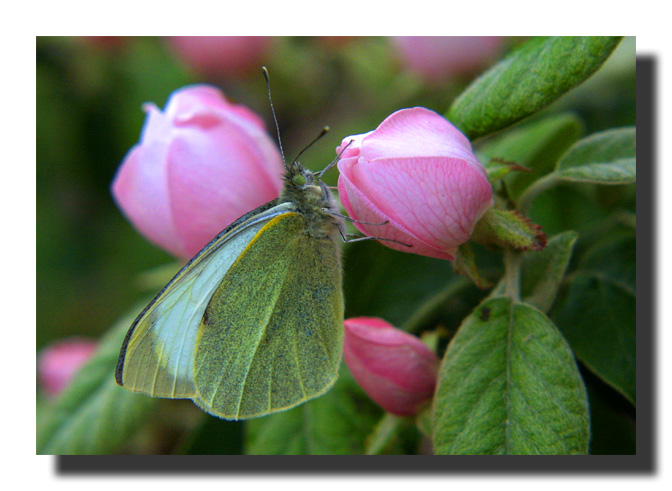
x,y
312,199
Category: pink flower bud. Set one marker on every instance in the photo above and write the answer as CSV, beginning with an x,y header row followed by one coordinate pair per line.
x,y
393,367
219,56
436,58
418,172
57,364
200,164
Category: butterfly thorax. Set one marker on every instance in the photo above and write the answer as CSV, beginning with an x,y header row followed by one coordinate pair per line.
x,y
312,199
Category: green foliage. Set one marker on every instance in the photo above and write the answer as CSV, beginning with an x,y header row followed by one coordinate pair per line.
x,y
94,415
535,145
604,158
597,311
542,273
337,424
509,385
542,363
528,80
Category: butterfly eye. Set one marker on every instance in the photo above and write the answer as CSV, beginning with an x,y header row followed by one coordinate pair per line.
x,y
299,180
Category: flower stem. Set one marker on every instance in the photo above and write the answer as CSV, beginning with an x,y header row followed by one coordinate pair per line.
x,y
384,432
512,265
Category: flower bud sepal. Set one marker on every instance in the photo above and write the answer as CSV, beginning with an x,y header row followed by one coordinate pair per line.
x,y
508,229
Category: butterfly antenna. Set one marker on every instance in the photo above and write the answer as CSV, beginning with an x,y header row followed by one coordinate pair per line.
x,y
324,131
335,161
277,127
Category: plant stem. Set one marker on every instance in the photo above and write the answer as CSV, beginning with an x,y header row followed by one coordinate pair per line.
x,y
384,432
512,264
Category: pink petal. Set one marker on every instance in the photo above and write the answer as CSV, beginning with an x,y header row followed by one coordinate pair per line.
x,y
416,132
58,363
438,199
139,188
437,57
360,207
205,105
394,368
350,147
214,177
222,56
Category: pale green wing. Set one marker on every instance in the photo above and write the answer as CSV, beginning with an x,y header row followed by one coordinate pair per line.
x,y
272,334
157,357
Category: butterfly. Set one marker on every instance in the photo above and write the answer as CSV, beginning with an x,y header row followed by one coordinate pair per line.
x,y
253,324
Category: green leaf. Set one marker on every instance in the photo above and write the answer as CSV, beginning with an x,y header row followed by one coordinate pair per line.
x,y
614,257
336,423
598,317
94,415
607,157
509,384
597,313
530,78
536,146
617,172
543,271
570,206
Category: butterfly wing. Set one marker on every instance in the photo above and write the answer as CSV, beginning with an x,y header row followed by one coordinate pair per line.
x,y
272,335
157,357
